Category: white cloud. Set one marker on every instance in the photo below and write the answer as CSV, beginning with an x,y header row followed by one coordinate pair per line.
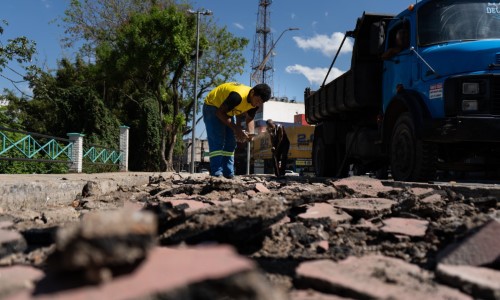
x,y
238,25
326,14
328,45
46,3
293,16
314,23
315,76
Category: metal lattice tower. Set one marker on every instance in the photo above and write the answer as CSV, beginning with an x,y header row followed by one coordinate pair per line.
x,y
263,41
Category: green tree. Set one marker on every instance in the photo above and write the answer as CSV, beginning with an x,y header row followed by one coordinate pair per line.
x,y
19,51
71,101
146,48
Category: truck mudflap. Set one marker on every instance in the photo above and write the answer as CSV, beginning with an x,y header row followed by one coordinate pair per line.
x,y
464,129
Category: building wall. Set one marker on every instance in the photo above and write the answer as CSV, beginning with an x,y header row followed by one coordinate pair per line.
x,y
201,146
280,111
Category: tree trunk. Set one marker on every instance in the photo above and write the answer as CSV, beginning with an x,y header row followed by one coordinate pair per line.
x,y
170,145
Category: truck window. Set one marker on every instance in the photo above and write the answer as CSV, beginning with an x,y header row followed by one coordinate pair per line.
x,y
399,40
458,20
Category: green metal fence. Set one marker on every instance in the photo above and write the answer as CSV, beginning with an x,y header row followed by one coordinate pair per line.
x,y
17,145
29,146
101,155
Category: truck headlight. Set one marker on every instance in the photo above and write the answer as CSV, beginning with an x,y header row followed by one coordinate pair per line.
x,y
470,88
469,105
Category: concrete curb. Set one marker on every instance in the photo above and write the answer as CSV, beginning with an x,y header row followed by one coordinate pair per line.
x,y
35,191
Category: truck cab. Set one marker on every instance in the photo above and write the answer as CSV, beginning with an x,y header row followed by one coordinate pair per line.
x,y
422,95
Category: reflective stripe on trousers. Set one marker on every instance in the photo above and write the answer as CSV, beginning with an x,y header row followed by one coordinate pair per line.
x,y
221,143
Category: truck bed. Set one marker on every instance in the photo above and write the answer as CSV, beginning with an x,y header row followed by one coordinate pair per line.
x,y
338,96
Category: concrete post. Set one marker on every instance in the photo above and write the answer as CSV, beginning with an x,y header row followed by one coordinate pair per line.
x,y
124,133
77,154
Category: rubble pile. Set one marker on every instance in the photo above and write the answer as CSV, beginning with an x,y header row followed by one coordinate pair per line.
x,y
257,237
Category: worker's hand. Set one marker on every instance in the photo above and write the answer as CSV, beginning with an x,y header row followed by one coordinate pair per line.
x,y
241,135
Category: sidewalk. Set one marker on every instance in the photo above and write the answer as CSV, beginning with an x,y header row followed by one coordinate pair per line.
x,y
32,191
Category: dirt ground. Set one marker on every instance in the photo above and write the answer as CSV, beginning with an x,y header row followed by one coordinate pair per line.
x,y
278,223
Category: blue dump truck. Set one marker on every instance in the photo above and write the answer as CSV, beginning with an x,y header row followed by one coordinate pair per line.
x,y
422,96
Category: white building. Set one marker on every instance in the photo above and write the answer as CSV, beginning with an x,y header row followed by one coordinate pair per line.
x,y
280,110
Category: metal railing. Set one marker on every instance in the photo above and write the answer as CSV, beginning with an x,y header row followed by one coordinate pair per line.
x,y
101,155
17,145
28,146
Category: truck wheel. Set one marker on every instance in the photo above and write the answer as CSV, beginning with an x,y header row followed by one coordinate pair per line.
x,y
411,158
322,158
328,158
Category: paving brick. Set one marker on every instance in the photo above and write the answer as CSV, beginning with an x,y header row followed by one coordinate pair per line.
x,y
364,207
259,187
251,193
481,248
363,185
420,191
405,226
11,242
6,224
434,198
16,278
482,283
313,295
373,277
192,205
324,210
164,271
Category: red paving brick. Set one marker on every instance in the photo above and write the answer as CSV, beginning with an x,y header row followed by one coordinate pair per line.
x,y
324,210
483,282
165,269
193,205
374,277
434,198
17,278
364,185
419,191
6,224
405,226
313,295
481,248
364,207
259,187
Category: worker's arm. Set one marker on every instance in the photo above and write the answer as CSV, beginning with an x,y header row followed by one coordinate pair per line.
x,y
280,133
249,120
221,113
232,101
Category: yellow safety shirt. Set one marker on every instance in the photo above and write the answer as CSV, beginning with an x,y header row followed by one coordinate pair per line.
x,y
218,95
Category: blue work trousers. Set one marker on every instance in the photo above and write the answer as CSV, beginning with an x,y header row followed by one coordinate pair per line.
x,y
221,143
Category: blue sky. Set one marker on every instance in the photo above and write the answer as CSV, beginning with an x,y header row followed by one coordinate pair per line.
x,y
301,57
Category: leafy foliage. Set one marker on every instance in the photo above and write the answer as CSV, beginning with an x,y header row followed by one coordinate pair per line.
x,y
139,72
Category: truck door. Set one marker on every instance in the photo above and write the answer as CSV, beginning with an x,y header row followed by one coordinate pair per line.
x,y
397,61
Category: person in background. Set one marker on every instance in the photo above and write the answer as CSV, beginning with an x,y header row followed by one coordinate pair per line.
x,y
220,109
279,146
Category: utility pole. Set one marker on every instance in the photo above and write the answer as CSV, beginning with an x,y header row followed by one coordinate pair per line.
x,y
195,91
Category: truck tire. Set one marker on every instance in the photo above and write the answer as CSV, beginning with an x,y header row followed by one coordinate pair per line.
x,y
327,159
322,158
411,158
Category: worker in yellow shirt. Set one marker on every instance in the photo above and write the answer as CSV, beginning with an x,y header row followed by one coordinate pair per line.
x,y
220,109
